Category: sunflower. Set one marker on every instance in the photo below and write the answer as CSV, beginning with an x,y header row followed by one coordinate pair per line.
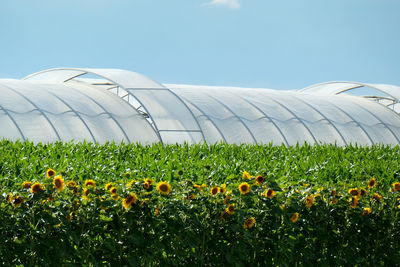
x,y
50,173
127,202
372,182
129,184
363,192
249,223
309,201
197,186
90,183
396,187
244,188
270,193
26,185
294,217
36,188
377,197
149,181
108,186
164,188
146,185
366,211
85,193
222,189
333,192
115,196
246,175
354,192
333,201
353,202
71,184
58,183
214,190
230,209
113,190
18,201
9,198
260,179
224,215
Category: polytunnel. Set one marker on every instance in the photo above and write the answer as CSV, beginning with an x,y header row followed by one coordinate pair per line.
x,y
100,105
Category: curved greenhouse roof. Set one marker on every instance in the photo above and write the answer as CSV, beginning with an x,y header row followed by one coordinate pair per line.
x,y
100,105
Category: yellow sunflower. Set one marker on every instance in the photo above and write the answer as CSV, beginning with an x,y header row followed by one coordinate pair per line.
x,y
146,185
334,192
148,180
214,190
26,185
90,183
396,187
222,189
9,198
372,182
366,211
164,188
36,188
244,188
230,209
197,186
113,190
363,192
85,193
58,183
246,175
270,193
260,179
129,184
108,186
18,201
50,173
71,184
309,201
353,202
249,223
115,196
294,217
127,202
333,201
354,192
224,215
377,197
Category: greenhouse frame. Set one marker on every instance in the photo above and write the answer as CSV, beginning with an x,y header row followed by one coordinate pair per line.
x,y
106,105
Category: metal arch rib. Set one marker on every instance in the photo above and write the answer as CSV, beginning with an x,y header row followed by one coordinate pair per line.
x,y
291,112
37,108
236,116
14,122
108,113
320,113
204,114
266,116
76,113
359,125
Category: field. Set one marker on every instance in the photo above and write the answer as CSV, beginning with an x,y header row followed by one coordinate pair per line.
x,y
206,205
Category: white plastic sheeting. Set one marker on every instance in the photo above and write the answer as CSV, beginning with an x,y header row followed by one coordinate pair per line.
x,y
118,105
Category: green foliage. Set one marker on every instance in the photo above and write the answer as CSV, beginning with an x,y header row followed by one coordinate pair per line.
x,y
88,225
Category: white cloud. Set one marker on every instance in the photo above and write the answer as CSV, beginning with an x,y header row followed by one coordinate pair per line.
x,y
228,3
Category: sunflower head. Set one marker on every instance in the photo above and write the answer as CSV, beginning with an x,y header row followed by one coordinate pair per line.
x,y
377,197
164,188
363,192
224,215
36,188
50,173
249,222
260,179
333,201
366,211
108,186
333,192
129,200
18,201
230,209
294,217
71,184
246,175
309,201
353,202
149,181
85,193
58,183
115,196
372,182
9,198
244,188
270,193
214,190
146,185
396,187
90,182
222,189
113,190
354,192
26,184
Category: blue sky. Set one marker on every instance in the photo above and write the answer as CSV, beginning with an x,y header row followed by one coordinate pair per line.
x,y
284,44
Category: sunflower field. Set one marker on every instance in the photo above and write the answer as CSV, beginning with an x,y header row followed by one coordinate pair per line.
x,y
207,205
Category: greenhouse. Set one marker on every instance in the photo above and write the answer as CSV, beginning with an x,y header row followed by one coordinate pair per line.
x,y
101,105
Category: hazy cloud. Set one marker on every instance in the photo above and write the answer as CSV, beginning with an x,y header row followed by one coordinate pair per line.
x,y
228,3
